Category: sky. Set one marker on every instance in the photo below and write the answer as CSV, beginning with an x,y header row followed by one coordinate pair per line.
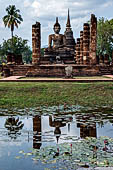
x,y
46,11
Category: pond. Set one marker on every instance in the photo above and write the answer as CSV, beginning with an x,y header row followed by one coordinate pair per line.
x,y
64,137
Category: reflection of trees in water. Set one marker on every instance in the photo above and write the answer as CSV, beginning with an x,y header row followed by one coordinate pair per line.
x,y
14,126
105,119
87,123
100,116
102,123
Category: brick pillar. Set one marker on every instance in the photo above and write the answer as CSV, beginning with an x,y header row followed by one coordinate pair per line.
x,y
86,41
36,43
93,39
78,51
75,55
81,47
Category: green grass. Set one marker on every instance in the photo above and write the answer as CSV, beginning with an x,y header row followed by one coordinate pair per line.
x,y
34,94
94,77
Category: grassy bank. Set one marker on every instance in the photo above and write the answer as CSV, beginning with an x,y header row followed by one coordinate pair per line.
x,y
35,94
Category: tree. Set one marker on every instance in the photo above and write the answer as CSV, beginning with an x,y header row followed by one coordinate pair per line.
x,y
19,47
13,18
2,56
27,56
104,37
14,127
42,51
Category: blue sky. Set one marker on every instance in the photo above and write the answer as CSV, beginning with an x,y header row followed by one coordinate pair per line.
x,y
45,11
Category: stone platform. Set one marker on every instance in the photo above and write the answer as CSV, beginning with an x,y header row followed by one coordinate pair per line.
x,y
45,79
58,70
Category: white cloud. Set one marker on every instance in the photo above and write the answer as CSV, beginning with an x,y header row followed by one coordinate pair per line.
x,y
107,4
46,11
36,5
27,3
1,24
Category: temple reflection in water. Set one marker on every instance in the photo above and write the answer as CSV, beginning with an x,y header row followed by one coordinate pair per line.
x,y
37,130
87,130
57,123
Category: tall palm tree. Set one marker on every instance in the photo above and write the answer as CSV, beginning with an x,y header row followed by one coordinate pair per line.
x,y
13,18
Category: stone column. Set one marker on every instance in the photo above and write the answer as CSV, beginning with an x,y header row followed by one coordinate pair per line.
x,y
81,47
78,51
86,41
93,39
36,43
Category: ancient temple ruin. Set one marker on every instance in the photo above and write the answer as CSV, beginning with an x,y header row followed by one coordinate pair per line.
x,y
83,52
87,43
63,50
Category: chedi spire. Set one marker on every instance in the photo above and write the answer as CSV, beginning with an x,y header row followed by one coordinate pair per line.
x,y
70,41
68,25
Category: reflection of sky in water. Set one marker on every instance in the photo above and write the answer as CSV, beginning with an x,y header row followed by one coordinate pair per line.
x,y
9,148
107,130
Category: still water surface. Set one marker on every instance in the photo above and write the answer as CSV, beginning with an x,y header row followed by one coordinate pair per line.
x,y
22,130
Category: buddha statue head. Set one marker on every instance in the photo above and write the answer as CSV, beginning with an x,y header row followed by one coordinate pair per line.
x,y
57,27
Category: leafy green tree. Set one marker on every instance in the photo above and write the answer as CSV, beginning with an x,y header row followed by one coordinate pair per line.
x,y
111,22
13,18
42,51
27,56
104,37
2,56
19,47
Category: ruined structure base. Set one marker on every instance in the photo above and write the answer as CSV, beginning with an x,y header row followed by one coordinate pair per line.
x,y
58,70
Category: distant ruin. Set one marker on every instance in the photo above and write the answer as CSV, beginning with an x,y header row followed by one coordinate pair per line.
x,y
83,52
62,51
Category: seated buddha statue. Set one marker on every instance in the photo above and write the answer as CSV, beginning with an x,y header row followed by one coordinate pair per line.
x,y
57,39
58,52
56,45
